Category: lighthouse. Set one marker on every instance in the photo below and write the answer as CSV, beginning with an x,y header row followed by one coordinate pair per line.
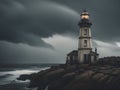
x,y
84,54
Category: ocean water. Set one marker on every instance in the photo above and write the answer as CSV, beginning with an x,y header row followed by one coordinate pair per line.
x,y
9,73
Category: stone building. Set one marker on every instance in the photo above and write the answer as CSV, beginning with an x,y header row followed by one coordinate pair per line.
x,y
72,57
84,54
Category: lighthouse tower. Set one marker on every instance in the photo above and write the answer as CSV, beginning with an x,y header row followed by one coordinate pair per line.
x,y
85,39
84,54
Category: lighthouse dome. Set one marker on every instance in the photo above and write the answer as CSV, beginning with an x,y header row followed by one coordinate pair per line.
x,y
84,15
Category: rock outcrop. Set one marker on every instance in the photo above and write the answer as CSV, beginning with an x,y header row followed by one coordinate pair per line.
x,y
77,77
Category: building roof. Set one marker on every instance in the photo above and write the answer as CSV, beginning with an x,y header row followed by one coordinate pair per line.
x,y
84,12
73,53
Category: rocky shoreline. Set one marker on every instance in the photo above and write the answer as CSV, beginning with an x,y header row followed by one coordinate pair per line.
x,y
97,76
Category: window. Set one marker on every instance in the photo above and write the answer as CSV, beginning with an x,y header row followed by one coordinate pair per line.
x,y
85,31
85,43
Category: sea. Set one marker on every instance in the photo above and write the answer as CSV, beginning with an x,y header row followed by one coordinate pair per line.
x,y
10,72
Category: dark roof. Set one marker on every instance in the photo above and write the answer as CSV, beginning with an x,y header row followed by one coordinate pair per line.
x,y
73,53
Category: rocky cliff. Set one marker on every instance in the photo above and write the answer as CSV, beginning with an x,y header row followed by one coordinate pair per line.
x,y
77,77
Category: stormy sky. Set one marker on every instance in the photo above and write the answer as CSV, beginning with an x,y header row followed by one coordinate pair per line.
x,y
44,31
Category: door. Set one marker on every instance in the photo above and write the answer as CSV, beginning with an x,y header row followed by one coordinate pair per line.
x,y
85,58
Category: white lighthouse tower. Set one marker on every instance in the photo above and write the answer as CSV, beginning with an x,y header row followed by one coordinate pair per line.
x,y
85,53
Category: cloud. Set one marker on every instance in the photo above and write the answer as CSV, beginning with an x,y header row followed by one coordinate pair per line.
x,y
62,43
118,44
29,28
29,21
106,48
104,16
47,17
22,53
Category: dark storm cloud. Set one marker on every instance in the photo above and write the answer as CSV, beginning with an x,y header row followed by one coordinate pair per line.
x,y
43,18
105,15
19,20
28,21
22,53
